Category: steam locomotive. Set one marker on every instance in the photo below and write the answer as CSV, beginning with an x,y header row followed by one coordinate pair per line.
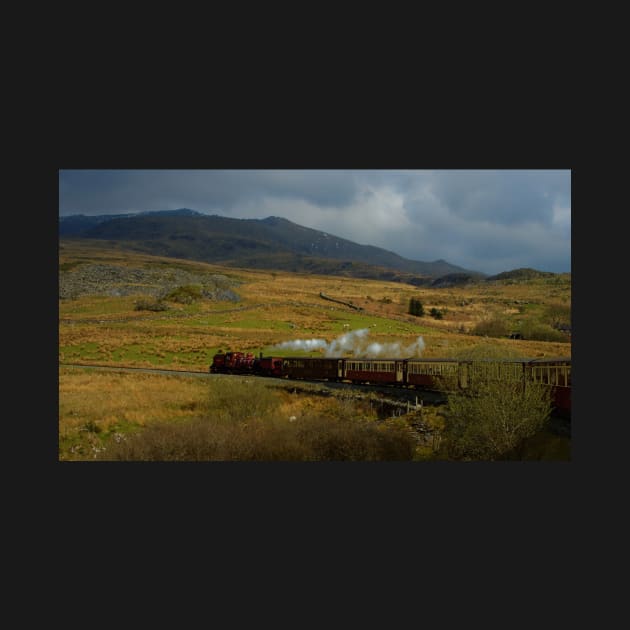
x,y
417,373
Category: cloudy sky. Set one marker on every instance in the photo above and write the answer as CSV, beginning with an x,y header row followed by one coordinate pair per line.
x,y
485,220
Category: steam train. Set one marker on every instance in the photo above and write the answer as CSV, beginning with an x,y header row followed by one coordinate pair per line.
x,y
417,373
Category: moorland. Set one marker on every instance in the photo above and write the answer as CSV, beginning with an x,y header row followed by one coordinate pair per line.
x,y
124,308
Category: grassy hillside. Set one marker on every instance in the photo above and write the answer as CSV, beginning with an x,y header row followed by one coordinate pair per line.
x,y
109,315
274,306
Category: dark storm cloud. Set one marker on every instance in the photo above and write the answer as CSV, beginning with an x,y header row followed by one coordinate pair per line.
x,y
505,197
486,220
104,192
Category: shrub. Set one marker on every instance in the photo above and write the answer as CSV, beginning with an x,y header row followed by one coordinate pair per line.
x,y
541,332
494,327
558,314
269,438
186,294
239,400
416,308
150,305
493,419
243,422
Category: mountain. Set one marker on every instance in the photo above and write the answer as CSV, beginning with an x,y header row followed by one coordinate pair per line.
x,y
77,224
271,243
523,273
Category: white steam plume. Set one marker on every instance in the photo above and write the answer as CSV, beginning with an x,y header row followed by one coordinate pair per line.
x,y
302,344
356,342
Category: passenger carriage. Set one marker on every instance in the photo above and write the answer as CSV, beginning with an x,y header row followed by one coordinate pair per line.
x,y
309,367
488,370
431,373
374,370
270,366
555,372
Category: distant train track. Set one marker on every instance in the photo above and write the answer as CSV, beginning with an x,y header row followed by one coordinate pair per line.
x,y
130,368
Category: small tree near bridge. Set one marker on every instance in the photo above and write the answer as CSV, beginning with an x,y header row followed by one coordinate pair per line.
x,y
492,419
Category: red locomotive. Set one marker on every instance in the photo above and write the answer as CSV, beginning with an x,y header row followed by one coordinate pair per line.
x,y
233,363
246,363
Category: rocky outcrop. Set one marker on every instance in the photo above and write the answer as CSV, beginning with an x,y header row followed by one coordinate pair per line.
x,y
117,280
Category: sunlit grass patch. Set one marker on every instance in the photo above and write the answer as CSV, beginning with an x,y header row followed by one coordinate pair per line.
x,y
99,307
93,406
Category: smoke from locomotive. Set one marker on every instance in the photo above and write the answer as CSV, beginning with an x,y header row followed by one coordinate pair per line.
x,y
356,342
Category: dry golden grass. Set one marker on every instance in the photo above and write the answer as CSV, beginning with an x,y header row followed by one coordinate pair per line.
x,y
104,396
105,415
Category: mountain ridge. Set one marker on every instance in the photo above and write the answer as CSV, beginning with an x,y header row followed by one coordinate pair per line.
x,y
261,243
